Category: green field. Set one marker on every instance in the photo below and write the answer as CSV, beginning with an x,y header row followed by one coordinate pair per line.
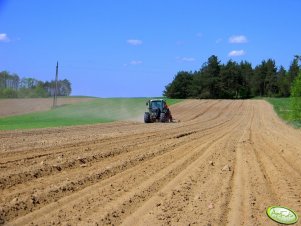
x,y
96,111
284,109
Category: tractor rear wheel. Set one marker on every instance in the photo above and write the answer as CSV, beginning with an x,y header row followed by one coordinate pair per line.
x,y
163,117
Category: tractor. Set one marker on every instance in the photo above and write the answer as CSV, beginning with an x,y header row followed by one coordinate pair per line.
x,y
158,111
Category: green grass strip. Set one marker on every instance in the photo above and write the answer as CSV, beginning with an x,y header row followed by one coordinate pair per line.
x,y
285,110
92,112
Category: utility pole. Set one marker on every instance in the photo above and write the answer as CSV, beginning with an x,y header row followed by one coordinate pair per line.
x,y
55,88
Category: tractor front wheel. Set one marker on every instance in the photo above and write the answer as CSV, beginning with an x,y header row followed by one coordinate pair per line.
x,y
147,117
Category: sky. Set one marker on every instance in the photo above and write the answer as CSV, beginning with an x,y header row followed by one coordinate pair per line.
x,y
132,48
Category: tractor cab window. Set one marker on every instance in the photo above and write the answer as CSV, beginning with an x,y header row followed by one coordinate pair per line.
x,y
156,104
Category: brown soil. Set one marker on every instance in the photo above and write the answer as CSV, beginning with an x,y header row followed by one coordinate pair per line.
x,y
224,163
22,106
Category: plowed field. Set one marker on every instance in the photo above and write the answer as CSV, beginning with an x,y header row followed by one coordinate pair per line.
x,y
224,163
10,107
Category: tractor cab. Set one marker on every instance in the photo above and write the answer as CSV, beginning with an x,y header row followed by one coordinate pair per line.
x,y
155,104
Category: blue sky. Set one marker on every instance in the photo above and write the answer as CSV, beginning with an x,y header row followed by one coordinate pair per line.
x,y
131,48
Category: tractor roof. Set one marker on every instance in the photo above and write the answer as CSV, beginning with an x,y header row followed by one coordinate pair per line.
x,y
156,100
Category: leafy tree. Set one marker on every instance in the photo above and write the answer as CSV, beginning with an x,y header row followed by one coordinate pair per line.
x,y
29,83
271,88
296,97
257,82
179,88
233,80
247,73
64,87
211,71
265,81
229,84
296,87
199,87
11,86
4,76
283,83
293,70
8,93
39,91
10,81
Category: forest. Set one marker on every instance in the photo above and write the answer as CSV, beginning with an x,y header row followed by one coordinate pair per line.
x,y
234,80
12,86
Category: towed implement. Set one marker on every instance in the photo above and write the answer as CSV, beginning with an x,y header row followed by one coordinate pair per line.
x,y
157,111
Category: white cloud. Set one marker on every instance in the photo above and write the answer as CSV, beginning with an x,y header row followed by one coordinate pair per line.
x,y
4,38
133,62
238,39
134,42
237,53
186,59
136,62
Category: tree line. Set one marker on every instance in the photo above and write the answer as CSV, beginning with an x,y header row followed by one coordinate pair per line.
x,y
234,80
12,86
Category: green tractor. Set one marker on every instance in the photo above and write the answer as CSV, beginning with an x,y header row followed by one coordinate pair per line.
x,y
158,111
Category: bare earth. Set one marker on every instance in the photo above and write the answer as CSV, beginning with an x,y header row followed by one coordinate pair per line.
x,y
22,106
223,164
